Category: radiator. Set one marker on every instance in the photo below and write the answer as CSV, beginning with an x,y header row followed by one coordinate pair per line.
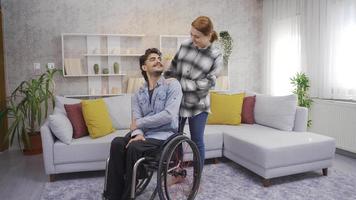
x,y
336,119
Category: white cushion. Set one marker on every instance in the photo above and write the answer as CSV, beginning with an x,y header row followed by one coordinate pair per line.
x,y
61,127
120,111
276,111
85,149
60,101
271,148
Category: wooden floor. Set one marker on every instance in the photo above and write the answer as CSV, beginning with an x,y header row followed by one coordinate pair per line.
x,y
23,177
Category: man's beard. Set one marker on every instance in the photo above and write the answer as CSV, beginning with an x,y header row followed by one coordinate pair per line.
x,y
157,73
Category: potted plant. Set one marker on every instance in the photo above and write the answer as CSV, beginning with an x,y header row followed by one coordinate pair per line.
x,y
27,107
301,87
226,42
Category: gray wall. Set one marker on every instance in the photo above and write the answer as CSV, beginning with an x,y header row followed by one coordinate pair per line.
x,y
32,30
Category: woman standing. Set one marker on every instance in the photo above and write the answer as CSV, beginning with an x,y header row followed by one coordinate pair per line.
x,y
196,66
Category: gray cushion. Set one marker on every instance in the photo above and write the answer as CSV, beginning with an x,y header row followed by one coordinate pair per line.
x,y
276,111
85,149
61,127
60,101
120,111
213,137
271,148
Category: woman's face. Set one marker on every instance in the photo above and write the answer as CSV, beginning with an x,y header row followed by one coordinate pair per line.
x,y
199,39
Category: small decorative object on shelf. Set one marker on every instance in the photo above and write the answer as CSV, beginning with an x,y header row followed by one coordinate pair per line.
x,y
96,68
115,90
116,68
105,71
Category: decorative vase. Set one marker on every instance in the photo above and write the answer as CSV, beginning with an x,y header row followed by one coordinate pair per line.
x,y
96,68
116,68
105,71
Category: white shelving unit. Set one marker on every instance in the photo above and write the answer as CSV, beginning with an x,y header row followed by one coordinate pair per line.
x,y
169,44
80,52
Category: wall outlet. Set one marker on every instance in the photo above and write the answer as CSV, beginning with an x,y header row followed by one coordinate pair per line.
x,y
37,69
50,65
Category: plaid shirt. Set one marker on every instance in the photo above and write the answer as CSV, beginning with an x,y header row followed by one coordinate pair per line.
x,y
196,70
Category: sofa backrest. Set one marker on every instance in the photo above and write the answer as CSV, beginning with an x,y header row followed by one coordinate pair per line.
x,y
119,108
277,112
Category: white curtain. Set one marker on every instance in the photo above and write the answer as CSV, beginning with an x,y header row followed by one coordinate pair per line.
x,y
282,55
314,36
335,75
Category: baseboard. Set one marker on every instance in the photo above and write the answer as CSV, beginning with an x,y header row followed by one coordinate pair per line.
x,y
346,153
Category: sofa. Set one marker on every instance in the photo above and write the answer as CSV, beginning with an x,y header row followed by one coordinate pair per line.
x,y
259,147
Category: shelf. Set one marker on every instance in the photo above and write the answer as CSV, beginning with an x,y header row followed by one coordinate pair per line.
x,y
94,75
93,95
104,35
123,55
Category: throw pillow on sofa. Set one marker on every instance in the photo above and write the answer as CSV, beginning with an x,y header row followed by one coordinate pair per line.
x,y
97,118
248,107
120,111
61,127
276,111
75,116
225,108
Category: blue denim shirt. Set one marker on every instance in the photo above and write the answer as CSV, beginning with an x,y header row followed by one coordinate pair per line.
x,y
158,118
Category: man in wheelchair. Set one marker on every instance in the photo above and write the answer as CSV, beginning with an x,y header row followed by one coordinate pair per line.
x,y
155,110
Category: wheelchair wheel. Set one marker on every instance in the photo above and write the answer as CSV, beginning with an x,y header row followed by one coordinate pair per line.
x,y
174,165
141,184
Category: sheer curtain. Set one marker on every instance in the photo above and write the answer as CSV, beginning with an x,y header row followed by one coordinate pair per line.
x,y
317,37
336,74
282,56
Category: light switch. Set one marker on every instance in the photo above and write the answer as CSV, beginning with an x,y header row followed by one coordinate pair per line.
x,y
50,65
37,69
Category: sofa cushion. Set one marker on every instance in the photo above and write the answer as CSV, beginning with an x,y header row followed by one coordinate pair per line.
x,y
75,116
60,101
85,149
213,137
271,148
97,118
248,107
61,127
276,111
120,111
225,108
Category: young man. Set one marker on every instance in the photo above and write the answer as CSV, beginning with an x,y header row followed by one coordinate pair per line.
x,y
155,110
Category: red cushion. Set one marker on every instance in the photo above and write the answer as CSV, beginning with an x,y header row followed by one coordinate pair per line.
x,y
248,107
75,116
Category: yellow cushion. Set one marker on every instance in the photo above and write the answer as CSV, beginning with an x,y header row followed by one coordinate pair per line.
x,y
97,118
225,108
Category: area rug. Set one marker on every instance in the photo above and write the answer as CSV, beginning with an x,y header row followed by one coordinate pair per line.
x,y
226,180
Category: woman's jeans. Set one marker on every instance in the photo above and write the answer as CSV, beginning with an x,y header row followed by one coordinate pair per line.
x,y
196,128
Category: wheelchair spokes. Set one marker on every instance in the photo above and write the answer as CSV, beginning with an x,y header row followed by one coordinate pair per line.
x,y
180,179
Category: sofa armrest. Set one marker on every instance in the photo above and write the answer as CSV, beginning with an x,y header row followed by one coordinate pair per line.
x,y
48,140
301,119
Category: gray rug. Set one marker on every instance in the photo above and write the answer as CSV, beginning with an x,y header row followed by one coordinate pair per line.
x,y
225,181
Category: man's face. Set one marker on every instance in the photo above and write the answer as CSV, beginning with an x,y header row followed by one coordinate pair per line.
x,y
153,64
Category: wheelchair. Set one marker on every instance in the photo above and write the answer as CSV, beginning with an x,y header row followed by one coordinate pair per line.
x,y
178,157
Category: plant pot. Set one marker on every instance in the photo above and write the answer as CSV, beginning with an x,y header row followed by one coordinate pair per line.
x,y
36,145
